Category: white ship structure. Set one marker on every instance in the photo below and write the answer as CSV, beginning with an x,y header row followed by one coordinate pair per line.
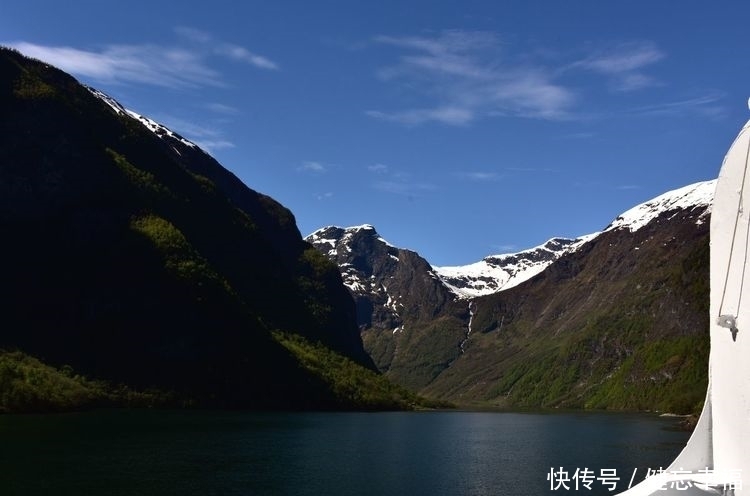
x,y
716,458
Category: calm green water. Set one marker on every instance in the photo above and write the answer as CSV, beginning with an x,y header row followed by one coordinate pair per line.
x,y
230,453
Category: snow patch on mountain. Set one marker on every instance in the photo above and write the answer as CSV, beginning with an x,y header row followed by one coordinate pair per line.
x,y
698,195
158,129
352,280
499,272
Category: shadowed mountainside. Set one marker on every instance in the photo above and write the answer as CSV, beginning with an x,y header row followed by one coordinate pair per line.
x,y
131,255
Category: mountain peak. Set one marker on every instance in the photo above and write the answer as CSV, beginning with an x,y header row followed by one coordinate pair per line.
x,y
338,230
336,237
698,195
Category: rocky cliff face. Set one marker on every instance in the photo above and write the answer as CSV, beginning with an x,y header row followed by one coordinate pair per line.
x,y
613,319
409,320
390,285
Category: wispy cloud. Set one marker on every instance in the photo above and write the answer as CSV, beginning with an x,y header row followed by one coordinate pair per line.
x,y
480,176
403,187
324,196
398,182
142,64
707,104
378,168
224,49
529,169
447,115
220,108
465,77
624,64
505,248
186,63
458,77
312,166
579,136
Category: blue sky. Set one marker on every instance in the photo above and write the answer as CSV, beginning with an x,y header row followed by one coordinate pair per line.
x,y
458,129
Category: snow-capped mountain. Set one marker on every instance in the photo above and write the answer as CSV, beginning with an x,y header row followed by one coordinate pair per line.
x,y
496,272
499,272
345,246
387,283
697,197
363,255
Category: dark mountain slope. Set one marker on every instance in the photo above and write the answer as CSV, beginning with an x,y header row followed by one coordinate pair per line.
x,y
134,256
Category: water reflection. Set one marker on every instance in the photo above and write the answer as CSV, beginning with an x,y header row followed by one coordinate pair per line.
x,y
426,453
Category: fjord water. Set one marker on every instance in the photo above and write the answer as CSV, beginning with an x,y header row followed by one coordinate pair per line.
x,y
400,453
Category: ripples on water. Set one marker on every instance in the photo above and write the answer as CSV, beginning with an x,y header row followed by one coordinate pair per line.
x,y
401,453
